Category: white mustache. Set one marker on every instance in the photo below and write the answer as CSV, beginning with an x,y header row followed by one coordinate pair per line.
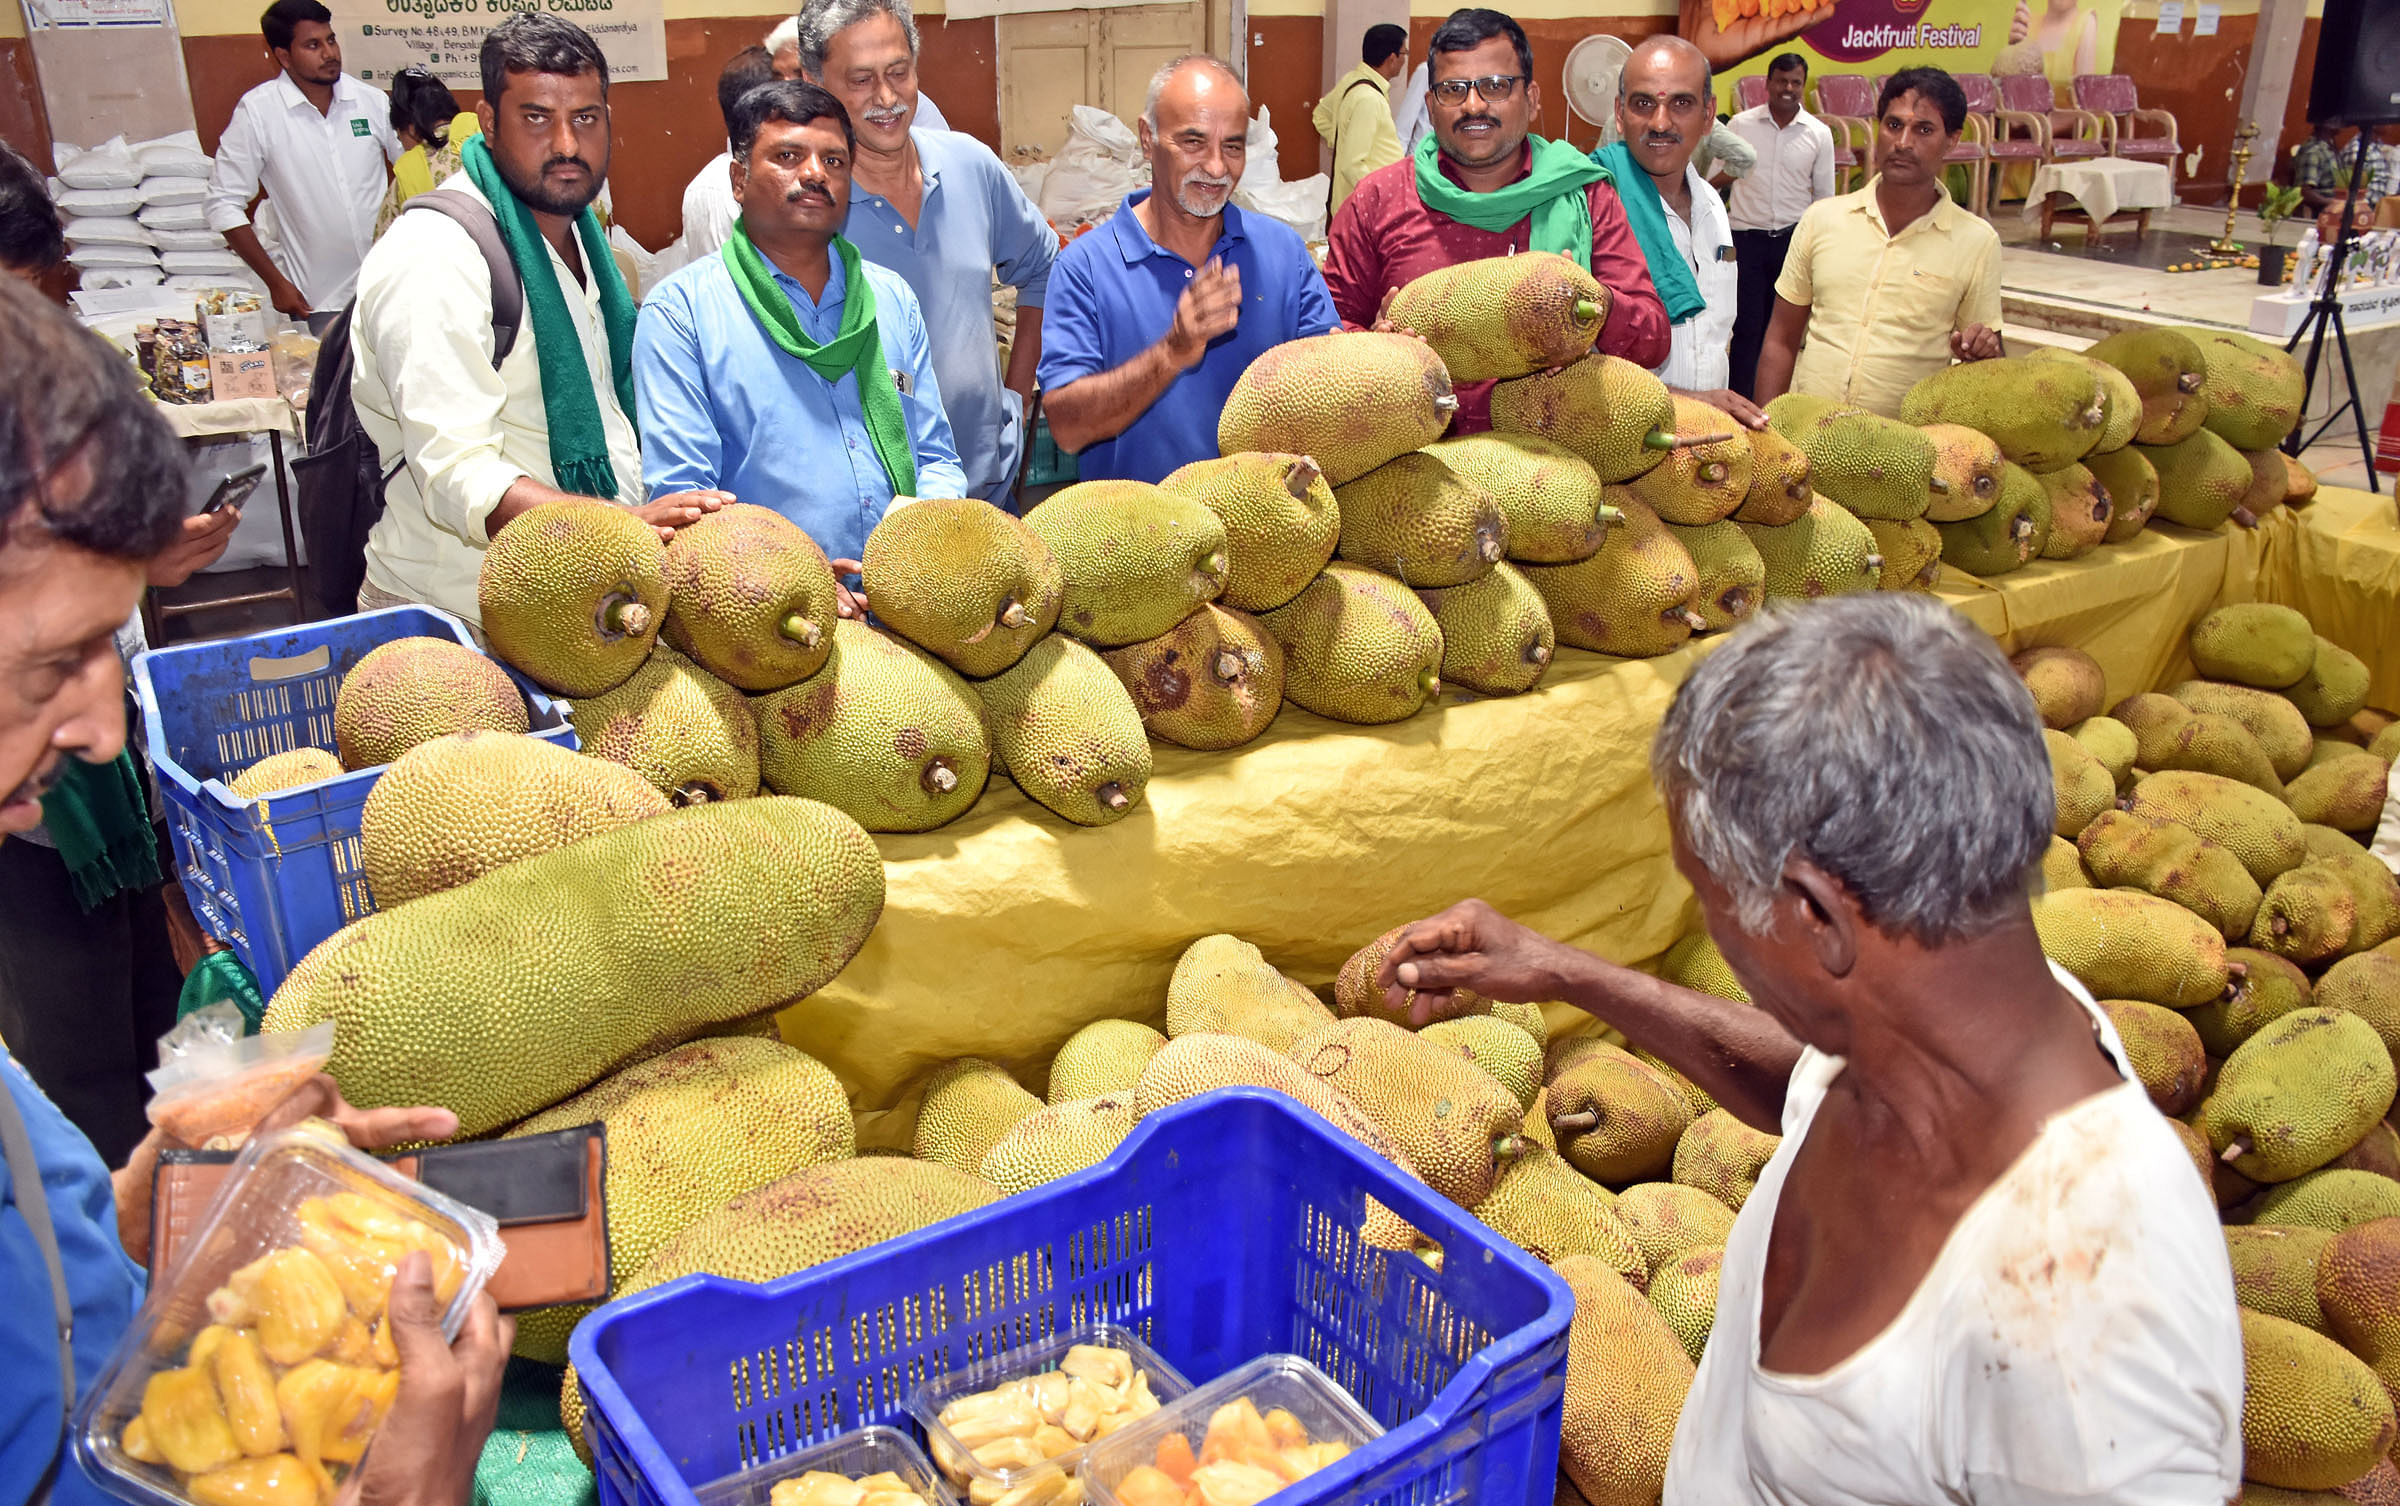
x,y
1206,180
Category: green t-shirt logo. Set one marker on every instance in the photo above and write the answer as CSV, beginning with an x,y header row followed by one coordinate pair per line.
x,y
359,126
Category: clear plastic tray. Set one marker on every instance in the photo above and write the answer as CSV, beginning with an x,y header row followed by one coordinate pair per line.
x,y
869,1451
256,1213
978,1482
1326,1411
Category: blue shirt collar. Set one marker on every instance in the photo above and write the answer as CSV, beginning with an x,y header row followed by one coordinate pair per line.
x,y
837,283
1134,242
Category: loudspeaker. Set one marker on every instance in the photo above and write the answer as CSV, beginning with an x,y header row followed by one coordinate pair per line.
x,y
2358,63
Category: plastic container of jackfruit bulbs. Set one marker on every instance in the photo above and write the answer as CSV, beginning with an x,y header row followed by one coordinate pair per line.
x,y
261,1366
1245,1437
874,1466
1011,1430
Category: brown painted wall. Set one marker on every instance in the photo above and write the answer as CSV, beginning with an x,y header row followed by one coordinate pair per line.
x,y
1284,70
2199,80
1551,42
23,123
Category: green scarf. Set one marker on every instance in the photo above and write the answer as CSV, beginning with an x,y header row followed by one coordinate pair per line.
x,y
100,823
1551,192
1647,214
857,348
579,460
220,978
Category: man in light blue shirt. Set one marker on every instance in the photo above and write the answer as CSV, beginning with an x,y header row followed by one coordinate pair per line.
x,y
793,373
938,208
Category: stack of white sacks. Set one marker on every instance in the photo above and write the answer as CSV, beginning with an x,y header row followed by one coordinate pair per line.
x,y
135,216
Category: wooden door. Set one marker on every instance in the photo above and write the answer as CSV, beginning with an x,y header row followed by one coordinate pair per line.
x,y
1052,61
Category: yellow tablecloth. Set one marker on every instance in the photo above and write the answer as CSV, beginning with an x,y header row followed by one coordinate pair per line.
x,y
1006,931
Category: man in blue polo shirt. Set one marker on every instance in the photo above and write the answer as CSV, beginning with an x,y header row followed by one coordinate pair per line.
x,y
1155,315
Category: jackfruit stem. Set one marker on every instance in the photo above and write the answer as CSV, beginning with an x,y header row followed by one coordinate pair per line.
x,y
1302,475
2020,527
1431,680
1690,441
623,616
1713,473
1586,310
1508,1148
939,777
2240,1147
1214,564
2245,517
801,631
1446,403
1012,614
1693,620
1940,487
1229,666
1112,795
1658,439
2188,382
1537,652
1570,1124
1491,549
1609,516
694,793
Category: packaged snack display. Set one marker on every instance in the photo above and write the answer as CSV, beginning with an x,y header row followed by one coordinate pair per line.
x,y
1241,1439
179,363
875,1466
262,1364
1011,1430
214,1084
231,318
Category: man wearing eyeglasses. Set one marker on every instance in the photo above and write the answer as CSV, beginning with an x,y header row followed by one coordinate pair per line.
x,y
1482,186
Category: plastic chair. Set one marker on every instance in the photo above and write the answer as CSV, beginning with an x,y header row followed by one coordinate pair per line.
x,y
1846,103
1749,93
2113,98
2073,134
2010,136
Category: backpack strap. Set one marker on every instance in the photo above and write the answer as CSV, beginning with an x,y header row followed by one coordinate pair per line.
x,y
508,288
1335,146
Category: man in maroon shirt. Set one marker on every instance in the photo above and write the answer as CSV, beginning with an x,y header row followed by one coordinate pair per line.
x,y
1482,101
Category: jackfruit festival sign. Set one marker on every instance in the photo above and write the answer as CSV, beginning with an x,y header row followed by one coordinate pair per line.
x,y
2058,38
381,37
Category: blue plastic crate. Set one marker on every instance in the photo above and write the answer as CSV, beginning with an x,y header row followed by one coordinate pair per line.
x,y
272,877
1050,466
1222,1229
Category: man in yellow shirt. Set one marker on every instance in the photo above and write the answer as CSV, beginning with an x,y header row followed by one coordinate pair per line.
x,y
1355,118
1884,286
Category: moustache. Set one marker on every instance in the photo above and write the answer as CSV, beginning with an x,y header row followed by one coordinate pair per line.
x,y
801,191
1663,138
556,163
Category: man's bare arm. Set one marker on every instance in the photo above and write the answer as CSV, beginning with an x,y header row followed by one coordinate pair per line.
x,y
1780,351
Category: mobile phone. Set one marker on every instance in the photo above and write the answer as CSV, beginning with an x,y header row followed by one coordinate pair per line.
x,y
235,489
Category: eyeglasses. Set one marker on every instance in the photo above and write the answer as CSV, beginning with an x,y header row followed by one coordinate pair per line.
x,y
1494,89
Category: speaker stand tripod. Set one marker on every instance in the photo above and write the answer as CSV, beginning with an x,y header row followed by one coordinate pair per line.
x,y
2325,313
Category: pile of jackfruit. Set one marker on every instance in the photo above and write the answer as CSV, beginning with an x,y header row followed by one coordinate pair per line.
x,y
2208,885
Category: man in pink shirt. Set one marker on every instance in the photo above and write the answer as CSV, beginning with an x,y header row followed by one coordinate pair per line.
x,y
1479,185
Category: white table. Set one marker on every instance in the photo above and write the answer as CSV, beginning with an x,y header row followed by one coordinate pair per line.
x,y
2101,189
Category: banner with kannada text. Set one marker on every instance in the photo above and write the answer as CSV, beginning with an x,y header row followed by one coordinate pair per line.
x,y
381,37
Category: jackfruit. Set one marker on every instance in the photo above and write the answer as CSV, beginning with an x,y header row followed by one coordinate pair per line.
x,y
412,690
456,808
1706,477
2079,512
1057,1141
2316,913
1614,1118
1684,1290
331,1411
2255,390
1350,401
1911,552
2119,401
1829,552
2110,741
2062,867
750,598
1509,1054
2164,1051
1355,991
2325,842
1614,414
183,1422
1549,1210
1633,599
2122,850
1874,466
2334,689
2274,721
2347,794
1358,646
2378,1151
1697,1100
2005,536
2373,886
1280,522
1967,464
1779,479
2386,743
1418,520
2123,944
1696,963
2358,1289
2167,370
1627,1377
1456,1124
2209,743
1197,1064
2329,1198
1104,1057
2132,484
2268,481
2195,1145
2044,414
290,1297
2328,748
283,771
1526,1017
1505,316
2268,988
1722,1157
2275,1270
968,1105
687,732
1732,575
1068,733
1214,681
963,581
1496,633
2260,829
2067,684
1548,495
573,593
2368,986
1133,559
2082,786
277,1480
1224,985
504,995
1668,1218
2301,1091
247,1388
2313,1415
2254,643
885,733
2201,480
688,1131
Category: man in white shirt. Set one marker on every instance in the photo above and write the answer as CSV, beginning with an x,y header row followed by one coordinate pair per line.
x,y
783,43
1664,112
709,209
1795,169
1980,1267
321,144
483,445
1408,116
